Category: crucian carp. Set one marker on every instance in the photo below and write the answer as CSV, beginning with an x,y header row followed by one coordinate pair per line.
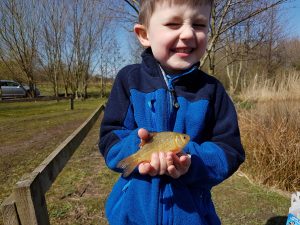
x,y
159,142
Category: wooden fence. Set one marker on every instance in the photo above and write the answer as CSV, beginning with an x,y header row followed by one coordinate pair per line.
x,y
27,204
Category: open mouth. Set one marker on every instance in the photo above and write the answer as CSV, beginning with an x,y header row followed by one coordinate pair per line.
x,y
182,50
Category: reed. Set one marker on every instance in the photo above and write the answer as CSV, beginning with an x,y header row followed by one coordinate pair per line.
x,y
270,135
284,86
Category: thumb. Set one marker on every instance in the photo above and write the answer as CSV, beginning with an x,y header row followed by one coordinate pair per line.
x,y
143,134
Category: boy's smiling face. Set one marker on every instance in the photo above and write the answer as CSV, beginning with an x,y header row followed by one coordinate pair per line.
x,y
177,34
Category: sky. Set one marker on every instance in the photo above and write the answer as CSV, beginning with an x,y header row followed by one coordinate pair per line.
x,y
292,14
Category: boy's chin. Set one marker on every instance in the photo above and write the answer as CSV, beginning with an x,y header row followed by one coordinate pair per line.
x,y
178,69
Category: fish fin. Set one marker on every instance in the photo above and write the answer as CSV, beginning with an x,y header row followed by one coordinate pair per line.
x,y
128,165
152,134
143,142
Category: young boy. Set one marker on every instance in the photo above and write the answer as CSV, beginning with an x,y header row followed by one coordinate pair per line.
x,y
167,92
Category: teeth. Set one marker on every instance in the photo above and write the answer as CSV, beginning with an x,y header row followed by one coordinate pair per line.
x,y
183,50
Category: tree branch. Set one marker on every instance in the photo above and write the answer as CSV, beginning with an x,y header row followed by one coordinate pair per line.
x,y
132,5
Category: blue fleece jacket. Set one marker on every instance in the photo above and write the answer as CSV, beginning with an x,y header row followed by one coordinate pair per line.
x,y
193,103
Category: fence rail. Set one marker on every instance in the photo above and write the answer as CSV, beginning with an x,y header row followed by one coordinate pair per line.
x,y
27,204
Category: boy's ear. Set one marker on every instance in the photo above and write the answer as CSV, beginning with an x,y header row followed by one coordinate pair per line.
x,y
141,33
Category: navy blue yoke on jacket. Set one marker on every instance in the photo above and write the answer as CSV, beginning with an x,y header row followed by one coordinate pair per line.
x,y
193,103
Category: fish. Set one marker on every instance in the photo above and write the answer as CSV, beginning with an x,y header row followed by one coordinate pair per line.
x,y
158,142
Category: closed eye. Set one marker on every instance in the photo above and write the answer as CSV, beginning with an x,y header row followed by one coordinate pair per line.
x,y
199,25
173,25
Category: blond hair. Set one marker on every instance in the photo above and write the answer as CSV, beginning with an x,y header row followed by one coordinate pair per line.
x,y
147,7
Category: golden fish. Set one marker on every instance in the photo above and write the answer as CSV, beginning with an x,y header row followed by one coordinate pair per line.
x,y
159,142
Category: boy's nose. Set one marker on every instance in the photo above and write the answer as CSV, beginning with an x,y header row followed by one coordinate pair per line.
x,y
187,32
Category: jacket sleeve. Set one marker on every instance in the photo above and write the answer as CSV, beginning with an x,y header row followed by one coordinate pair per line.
x,y
118,132
221,152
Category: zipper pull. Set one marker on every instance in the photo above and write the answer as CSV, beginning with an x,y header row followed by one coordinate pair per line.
x,y
175,103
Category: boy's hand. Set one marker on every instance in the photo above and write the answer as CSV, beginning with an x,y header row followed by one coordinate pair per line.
x,y
178,165
163,163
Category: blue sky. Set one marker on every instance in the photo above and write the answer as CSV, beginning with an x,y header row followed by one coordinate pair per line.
x,y
292,14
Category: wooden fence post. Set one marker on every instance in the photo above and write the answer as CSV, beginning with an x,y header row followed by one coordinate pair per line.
x,y
72,102
30,201
9,211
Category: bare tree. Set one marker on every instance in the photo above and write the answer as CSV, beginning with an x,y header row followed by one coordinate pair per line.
x,y
110,58
291,56
240,46
271,50
88,20
61,37
227,14
18,36
53,36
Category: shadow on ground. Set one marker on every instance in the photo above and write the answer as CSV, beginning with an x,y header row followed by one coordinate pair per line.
x,y
277,220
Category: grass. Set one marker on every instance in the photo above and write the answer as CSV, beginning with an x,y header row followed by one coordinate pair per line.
x,y
240,202
94,88
29,131
79,193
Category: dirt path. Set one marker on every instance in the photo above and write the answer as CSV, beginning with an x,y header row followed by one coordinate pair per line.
x,y
22,157
40,139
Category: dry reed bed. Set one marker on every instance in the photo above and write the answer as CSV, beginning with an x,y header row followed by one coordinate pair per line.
x,y
285,85
270,134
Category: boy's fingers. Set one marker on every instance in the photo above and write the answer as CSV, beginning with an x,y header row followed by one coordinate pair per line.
x,y
144,168
187,160
179,166
173,172
163,163
169,159
143,134
185,164
183,161
155,164
176,161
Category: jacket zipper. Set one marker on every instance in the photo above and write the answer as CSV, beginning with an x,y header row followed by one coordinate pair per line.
x,y
173,103
173,106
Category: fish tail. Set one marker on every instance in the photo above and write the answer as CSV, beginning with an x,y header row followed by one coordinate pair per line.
x,y
128,165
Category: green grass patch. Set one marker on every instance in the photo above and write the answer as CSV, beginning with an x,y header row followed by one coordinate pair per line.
x,y
30,131
84,183
94,89
240,202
